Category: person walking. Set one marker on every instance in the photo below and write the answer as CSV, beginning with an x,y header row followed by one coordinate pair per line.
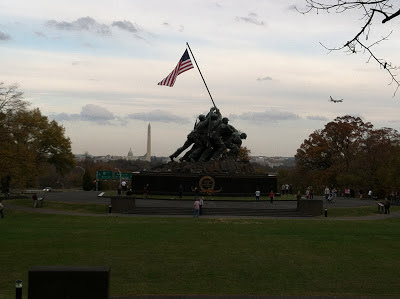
x,y
271,196
196,207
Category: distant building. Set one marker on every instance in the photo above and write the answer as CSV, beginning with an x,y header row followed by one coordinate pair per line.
x,y
129,157
148,153
273,161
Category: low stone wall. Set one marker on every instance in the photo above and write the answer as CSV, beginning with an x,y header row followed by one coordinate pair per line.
x,y
121,204
312,207
69,282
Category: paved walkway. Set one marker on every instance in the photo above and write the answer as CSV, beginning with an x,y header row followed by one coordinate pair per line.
x,y
91,197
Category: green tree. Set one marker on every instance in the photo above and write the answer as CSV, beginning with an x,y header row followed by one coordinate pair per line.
x,y
87,181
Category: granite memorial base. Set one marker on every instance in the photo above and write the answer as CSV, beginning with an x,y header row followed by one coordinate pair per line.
x,y
122,204
312,207
218,184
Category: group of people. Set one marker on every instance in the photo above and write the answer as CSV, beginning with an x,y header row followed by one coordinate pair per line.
x,y
124,187
212,138
309,192
37,201
271,195
286,189
330,194
197,207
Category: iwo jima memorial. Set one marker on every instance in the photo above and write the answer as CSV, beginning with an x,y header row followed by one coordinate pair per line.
x,y
209,162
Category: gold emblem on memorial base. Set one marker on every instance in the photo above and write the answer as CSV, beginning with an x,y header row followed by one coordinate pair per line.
x,y
207,185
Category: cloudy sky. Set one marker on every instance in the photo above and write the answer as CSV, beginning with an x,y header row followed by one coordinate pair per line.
x,y
94,65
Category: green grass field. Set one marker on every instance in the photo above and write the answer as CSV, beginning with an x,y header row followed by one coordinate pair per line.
x,y
208,256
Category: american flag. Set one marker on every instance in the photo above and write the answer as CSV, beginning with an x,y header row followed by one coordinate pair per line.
x,y
183,65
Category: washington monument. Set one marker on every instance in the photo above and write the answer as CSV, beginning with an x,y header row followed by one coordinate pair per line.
x,y
148,153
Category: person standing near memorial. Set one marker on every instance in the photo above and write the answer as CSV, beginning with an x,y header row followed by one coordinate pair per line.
x,y
258,193
180,191
387,206
196,207
123,185
271,196
201,202
334,194
145,191
327,192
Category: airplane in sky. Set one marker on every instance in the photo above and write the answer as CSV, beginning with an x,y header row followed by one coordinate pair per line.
x,y
336,101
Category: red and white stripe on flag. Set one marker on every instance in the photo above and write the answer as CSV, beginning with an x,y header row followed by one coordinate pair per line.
x,y
183,65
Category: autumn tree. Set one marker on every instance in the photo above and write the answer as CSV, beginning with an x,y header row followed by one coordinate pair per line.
x,y
347,151
29,141
244,154
369,13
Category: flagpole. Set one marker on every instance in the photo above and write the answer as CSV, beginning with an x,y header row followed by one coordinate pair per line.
x,y
201,74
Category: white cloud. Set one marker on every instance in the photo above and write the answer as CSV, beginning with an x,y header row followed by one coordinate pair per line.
x,y
4,36
159,116
251,18
267,78
81,24
89,113
317,117
267,116
125,25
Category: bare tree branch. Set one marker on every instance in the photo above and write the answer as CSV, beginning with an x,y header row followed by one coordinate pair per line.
x,y
354,45
11,98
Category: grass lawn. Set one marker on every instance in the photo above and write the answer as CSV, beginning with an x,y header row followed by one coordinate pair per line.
x,y
208,256
356,211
